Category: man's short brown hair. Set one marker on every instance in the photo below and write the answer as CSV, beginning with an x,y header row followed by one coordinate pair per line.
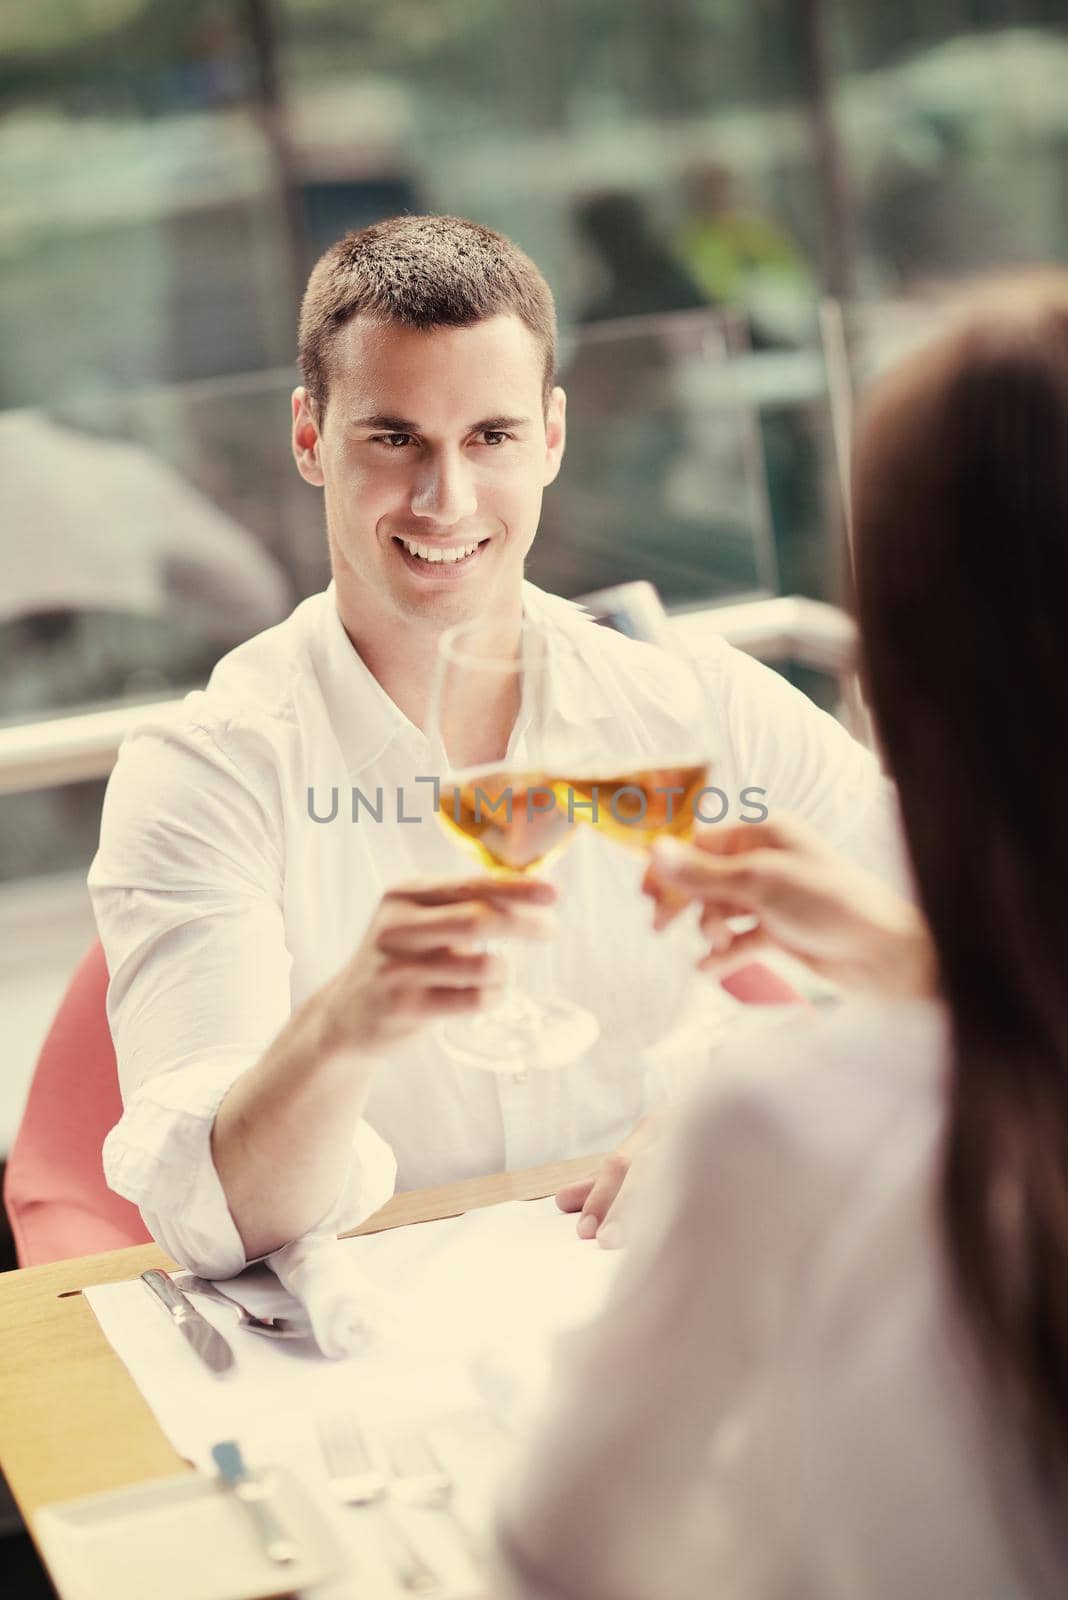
x,y
421,272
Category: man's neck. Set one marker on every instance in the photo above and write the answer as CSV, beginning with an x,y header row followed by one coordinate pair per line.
x,y
402,659
402,654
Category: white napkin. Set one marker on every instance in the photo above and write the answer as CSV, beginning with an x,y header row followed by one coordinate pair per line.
x,y
348,1313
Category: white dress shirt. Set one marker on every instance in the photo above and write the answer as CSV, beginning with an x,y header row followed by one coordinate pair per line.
x,y
222,904
779,1401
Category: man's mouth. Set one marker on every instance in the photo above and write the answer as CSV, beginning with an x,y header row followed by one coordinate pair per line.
x,y
436,555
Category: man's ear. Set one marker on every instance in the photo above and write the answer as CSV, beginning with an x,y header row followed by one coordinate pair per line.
x,y
306,438
555,434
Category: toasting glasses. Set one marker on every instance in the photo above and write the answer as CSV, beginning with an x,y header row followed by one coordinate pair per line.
x,y
636,775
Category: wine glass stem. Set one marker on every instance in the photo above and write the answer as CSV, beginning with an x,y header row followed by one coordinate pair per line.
x,y
513,1002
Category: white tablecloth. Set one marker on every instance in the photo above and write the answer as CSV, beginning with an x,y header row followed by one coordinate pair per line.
x,y
478,1300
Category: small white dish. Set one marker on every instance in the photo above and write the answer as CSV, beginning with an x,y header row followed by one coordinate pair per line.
x,y
182,1538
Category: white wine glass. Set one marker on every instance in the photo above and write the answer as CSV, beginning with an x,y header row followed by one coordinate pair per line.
x,y
491,728
664,788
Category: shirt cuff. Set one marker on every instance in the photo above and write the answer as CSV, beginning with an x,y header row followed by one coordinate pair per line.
x,y
159,1157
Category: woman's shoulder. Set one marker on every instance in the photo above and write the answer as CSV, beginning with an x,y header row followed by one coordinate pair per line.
x,y
809,1101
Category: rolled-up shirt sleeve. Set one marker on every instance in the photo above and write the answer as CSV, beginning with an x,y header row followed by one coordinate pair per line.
x,y
187,893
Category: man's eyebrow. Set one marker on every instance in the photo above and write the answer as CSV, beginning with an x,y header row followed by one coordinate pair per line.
x,y
499,424
381,423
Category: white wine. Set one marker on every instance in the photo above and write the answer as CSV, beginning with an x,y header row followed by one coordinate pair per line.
x,y
636,808
514,822
517,822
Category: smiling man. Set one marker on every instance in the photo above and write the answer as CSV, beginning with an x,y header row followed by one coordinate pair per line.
x,y
274,975
432,446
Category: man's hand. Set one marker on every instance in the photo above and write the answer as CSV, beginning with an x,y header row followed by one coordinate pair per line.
x,y
421,958
598,1199
842,922
282,1139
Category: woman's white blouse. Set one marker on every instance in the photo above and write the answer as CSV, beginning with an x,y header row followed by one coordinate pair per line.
x,y
779,1402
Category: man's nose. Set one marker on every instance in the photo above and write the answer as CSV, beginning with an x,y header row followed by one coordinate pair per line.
x,y
444,490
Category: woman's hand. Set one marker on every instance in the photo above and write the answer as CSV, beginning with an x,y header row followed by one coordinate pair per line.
x,y
842,922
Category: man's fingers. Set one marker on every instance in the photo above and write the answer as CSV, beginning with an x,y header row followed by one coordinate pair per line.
x,y
461,926
606,1187
436,927
573,1196
445,969
610,1233
499,892
605,1203
519,922
440,1002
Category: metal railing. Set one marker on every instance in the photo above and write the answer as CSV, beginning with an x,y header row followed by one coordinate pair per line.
x,y
43,755
71,749
788,628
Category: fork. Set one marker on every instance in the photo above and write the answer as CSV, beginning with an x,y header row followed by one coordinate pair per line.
x,y
272,1327
354,1478
356,1481
419,1478
412,1570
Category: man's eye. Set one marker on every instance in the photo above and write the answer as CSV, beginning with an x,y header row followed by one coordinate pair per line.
x,y
493,436
395,441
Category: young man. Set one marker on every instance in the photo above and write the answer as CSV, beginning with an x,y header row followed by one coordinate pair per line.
x,y
273,976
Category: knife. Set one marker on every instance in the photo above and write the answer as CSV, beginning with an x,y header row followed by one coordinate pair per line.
x,y
206,1341
254,1492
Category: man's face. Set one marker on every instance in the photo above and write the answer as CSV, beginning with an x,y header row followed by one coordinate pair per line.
x,y
433,454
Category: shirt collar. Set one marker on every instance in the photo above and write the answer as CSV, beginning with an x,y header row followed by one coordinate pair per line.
x,y
578,693
366,721
364,718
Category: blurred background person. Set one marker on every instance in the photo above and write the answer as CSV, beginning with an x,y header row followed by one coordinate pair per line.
x,y
724,241
628,414
639,274
836,1362
735,252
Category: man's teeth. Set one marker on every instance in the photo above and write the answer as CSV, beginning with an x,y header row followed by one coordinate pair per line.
x,y
428,552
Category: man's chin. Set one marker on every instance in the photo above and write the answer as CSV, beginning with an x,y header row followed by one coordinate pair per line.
x,y
450,603
444,608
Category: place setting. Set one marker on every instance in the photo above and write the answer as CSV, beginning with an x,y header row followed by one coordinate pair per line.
x,y
373,1472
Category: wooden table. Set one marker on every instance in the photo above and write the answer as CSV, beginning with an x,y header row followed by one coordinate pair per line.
x,y
72,1421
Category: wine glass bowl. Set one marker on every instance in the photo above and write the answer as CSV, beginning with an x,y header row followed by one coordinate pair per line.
x,y
636,808
513,822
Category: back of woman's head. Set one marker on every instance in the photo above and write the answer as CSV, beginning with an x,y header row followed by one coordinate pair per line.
x,y
961,540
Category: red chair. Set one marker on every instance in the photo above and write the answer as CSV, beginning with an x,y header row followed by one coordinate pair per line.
x,y
57,1201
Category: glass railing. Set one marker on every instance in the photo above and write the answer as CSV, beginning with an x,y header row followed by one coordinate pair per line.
x,y
664,473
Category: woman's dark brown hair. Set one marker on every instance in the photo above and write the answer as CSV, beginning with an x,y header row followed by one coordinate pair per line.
x,y
961,548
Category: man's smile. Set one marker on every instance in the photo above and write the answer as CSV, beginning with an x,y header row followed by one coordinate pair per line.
x,y
439,561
